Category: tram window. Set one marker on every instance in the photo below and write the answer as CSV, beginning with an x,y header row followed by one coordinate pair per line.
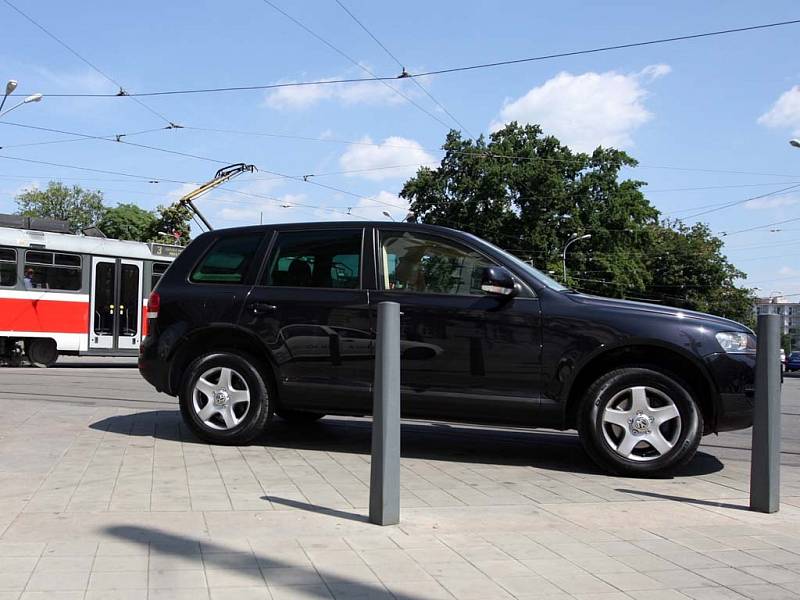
x,y
68,260
159,268
52,271
8,267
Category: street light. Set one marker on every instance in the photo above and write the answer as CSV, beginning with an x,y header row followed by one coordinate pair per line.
x,y
28,100
795,142
575,238
387,214
10,87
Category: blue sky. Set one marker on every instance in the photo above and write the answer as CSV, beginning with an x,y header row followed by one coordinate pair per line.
x,y
712,113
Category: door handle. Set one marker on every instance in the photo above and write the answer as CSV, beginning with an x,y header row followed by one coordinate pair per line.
x,y
261,307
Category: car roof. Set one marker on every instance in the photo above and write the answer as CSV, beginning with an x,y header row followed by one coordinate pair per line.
x,y
341,225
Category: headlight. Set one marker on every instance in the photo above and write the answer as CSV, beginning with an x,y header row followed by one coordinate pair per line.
x,y
734,341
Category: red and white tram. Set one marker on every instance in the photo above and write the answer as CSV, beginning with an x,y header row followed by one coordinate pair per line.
x,y
74,294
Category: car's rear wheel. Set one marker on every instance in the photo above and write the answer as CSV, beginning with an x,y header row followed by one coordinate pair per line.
x,y
225,399
640,421
298,417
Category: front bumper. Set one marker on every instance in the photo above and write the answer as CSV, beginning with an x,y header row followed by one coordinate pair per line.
x,y
734,376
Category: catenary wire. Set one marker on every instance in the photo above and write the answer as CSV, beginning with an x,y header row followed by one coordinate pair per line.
x,y
415,80
450,69
75,53
374,77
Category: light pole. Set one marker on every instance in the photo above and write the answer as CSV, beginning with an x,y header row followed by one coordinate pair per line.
x,y
575,238
28,100
795,142
386,213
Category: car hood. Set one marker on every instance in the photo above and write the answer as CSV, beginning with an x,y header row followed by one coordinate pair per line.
x,y
655,309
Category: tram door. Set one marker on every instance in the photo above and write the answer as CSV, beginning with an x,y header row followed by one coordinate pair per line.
x,y
115,321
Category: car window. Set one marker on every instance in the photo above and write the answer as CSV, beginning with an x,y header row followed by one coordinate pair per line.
x,y
418,263
52,271
316,259
228,260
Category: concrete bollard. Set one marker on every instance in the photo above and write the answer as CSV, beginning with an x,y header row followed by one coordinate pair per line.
x,y
384,482
765,467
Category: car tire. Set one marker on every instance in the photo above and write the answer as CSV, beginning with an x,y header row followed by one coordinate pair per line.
x,y
640,421
299,417
225,399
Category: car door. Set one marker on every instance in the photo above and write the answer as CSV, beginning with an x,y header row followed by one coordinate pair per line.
x,y
308,294
465,355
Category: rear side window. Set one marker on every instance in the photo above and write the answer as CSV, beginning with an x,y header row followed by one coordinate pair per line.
x,y
8,267
228,260
316,259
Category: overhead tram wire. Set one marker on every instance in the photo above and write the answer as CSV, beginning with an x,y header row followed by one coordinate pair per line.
x,y
460,152
145,178
724,205
305,179
429,73
475,152
382,80
403,69
86,61
79,137
117,138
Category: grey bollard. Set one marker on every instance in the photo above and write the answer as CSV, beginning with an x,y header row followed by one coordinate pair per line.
x,y
765,467
384,481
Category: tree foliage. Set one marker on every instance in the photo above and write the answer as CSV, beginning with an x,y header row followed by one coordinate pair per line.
x,y
528,193
79,207
127,222
173,221
82,208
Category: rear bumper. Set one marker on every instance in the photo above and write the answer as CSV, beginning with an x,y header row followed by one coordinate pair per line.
x,y
734,376
153,368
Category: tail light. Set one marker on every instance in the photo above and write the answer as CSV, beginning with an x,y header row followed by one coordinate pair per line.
x,y
153,304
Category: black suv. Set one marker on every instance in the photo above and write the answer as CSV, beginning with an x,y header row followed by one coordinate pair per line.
x,y
253,321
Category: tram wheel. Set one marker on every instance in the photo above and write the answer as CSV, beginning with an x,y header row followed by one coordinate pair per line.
x,y
42,352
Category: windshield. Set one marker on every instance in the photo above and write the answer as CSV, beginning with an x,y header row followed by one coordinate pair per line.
x,y
523,266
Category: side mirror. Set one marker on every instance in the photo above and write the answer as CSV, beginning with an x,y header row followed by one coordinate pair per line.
x,y
497,281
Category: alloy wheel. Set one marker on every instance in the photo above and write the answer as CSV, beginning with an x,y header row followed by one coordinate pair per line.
x,y
221,398
641,423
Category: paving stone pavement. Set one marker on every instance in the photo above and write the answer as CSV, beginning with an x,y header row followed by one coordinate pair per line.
x,y
105,494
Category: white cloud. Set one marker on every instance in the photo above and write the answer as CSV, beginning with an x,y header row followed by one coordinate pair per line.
x,y
588,110
653,72
372,160
367,92
785,112
788,271
771,202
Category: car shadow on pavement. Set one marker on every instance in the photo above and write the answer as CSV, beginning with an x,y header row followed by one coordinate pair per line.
x,y
541,449
315,580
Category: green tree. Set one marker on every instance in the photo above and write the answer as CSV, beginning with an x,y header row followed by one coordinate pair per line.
x,y
528,193
128,222
80,207
174,221
688,270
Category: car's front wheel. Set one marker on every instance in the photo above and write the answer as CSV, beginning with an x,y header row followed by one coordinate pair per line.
x,y
640,421
224,398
